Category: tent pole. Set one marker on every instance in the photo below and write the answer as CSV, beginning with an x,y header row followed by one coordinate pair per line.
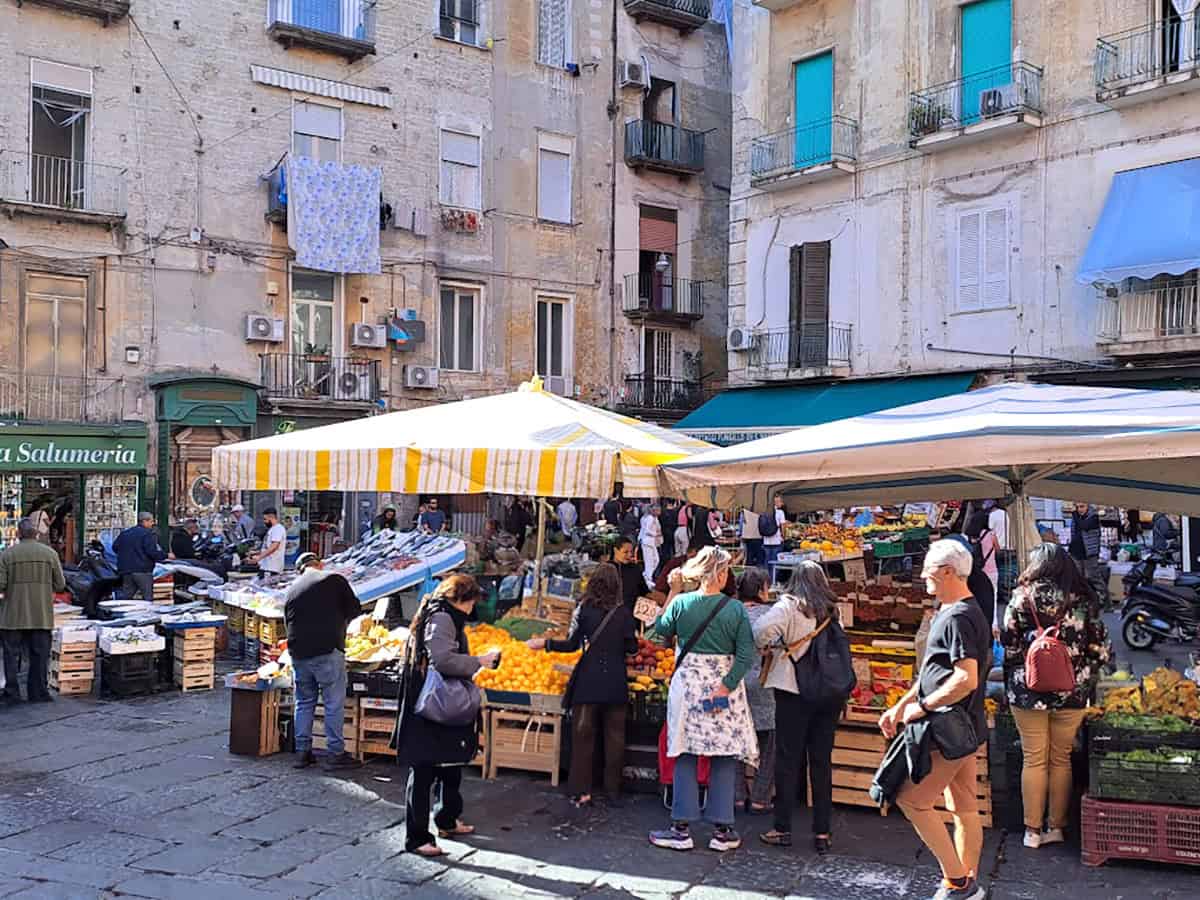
x,y
541,551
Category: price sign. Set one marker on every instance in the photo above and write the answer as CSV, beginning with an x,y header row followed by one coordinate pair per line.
x,y
645,610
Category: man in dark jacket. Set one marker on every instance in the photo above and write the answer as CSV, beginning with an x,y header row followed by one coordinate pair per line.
x,y
319,607
1163,533
1085,547
137,551
183,540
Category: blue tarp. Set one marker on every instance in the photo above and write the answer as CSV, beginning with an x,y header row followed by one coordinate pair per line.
x,y
1150,225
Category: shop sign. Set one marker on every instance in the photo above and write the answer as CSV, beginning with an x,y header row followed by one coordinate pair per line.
x,y
37,452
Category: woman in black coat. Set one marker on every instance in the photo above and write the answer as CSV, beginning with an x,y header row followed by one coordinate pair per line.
x,y
435,752
605,627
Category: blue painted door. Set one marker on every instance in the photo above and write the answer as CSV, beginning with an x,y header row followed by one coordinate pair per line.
x,y
814,110
986,51
319,15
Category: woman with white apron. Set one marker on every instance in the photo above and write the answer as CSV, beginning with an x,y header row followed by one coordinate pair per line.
x,y
707,710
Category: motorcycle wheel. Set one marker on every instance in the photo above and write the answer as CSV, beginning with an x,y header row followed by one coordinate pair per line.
x,y
1136,636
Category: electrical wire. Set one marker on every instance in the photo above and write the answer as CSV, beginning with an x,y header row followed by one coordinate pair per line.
x,y
187,106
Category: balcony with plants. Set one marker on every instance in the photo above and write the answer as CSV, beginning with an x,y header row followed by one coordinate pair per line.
x,y
976,107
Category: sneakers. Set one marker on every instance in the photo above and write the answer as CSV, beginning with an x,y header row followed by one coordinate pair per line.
x,y
968,890
1052,836
677,837
724,839
1033,839
341,762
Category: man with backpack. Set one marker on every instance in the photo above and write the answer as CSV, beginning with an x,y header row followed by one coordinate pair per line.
x,y
752,541
949,692
770,526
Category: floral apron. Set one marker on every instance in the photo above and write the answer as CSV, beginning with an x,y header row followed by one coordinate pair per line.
x,y
722,732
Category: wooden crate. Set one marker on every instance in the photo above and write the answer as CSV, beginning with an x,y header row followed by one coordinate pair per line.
x,y
376,722
194,676
71,682
236,621
191,645
525,740
254,722
349,727
67,660
271,631
252,624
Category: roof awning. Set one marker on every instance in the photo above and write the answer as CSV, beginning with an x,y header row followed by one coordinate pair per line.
x,y
1150,225
746,414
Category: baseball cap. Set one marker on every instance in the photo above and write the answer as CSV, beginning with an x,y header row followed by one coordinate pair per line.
x,y
237,507
304,560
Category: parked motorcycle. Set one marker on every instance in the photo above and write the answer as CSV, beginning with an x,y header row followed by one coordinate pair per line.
x,y
93,580
1154,612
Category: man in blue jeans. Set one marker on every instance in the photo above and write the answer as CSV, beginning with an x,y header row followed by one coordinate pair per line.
x,y
319,607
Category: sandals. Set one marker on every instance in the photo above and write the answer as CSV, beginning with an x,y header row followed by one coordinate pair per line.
x,y
776,838
581,801
460,829
429,851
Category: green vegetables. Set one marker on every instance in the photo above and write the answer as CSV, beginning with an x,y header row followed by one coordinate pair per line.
x,y
1171,755
1159,724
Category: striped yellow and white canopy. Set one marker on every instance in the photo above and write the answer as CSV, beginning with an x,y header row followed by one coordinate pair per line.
x,y
528,442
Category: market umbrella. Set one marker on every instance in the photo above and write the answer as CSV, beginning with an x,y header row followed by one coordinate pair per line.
x,y
1132,448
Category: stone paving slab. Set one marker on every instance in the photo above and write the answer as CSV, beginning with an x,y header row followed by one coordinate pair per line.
x,y
194,856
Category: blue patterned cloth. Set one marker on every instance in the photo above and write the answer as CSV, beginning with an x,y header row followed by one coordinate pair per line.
x,y
333,215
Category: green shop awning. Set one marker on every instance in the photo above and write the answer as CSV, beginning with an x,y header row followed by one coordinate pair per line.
x,y
746,414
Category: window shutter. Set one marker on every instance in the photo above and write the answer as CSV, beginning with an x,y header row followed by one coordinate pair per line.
x,y
658,234
554,186
967,275
460,148
318,120
995,259
815,285
552,32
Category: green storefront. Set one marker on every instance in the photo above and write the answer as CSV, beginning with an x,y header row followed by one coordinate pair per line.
x,y
197,412
87,480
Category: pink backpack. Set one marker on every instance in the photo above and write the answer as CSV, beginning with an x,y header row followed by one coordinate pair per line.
x,y
1048,665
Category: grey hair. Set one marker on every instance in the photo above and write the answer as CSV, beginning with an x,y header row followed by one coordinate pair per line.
x,y
811,589
949,553
706,565
27,529
144,516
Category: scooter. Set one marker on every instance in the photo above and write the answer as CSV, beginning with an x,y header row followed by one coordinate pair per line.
x,y
93,580
1155,612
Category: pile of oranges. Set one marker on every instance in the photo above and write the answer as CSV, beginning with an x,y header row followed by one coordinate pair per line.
x,y
521,669
653,660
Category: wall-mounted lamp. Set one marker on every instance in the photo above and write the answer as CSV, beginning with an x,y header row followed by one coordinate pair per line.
x,y
133,355
662,264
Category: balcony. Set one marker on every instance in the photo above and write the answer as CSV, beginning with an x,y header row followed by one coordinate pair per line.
x,y
1156,60
814,152
663,299
663,147
58,188
1155,321
335,26
1004,99
685,15
651,397
107,11
314,378
61,398
788,353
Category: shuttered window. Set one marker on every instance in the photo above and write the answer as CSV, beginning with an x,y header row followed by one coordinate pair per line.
x,y
657,230
981,260
458,342
808,339
55,325
554,29
459,180
317,131
554,184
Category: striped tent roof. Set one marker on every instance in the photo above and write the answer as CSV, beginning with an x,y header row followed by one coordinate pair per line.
x,y
527,442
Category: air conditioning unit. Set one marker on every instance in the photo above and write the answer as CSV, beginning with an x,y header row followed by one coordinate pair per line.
x,y
264,328
420,377
353,385
559,384
740,338
1001,101
633,74
363,334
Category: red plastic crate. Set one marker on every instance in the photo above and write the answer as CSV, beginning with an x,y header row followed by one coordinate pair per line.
x,y
1117,830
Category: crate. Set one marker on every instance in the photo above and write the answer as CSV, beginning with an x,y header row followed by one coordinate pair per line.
x,y
887,549
68,683
349,727
129,674
1151,832
376,723
67,659
194,645
527,740
254,722
1151,781
194,676
237,619
235,646
1104,738
251,650
271,631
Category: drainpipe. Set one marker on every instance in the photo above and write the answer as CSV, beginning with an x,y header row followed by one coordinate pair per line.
x,y
104,316
613,110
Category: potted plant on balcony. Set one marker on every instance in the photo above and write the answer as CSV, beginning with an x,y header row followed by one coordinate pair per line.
x,y
927,117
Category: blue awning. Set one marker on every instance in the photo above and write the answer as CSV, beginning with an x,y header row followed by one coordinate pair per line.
x,y
746,414
1150,225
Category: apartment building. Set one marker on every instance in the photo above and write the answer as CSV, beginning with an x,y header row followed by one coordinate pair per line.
x,y
927,192
227,219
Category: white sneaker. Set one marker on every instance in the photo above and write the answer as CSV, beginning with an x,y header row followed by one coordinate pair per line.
x,y
1033,839
1052,836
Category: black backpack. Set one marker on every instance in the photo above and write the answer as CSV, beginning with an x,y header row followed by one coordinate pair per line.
x,y
824,675
767,526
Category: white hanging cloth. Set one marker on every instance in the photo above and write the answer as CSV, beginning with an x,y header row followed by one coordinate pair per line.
x,y
1187,32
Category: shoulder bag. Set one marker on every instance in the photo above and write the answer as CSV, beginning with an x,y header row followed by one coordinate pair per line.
x,y
452,702
569,692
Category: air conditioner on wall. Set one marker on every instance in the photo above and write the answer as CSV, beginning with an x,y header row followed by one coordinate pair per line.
x,y
363,334
353,385
559,384
740,338
999,101
264,328
420,377
633,74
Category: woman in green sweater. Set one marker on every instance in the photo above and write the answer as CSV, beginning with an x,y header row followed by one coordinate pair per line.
x,y
707,710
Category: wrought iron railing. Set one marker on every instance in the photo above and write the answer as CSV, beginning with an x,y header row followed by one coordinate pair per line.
x,y
810,347
659,143
315,376
1005,90
807,145
352,20
700,8
647,293
61,183
61,398
1146,53
662,394
1163,312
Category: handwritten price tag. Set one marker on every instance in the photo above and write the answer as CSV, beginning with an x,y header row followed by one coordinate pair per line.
x,y
645,610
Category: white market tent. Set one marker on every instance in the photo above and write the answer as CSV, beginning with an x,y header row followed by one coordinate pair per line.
x,y
1132,448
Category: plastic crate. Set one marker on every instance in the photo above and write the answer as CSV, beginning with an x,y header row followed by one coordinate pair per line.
x,y
888,549
1105,738
1156,833
1154,781
129,674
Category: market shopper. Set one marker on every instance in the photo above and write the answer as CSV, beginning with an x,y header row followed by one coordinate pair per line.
x,y
432,751
271,556
707,710
318,608
1051,593
243,525
773,542
1163,533
597,694
386,520
683,528
1085,544
650,539
633,583
752,541
803,732
30,574
953,674
183,539
754,784
568,516
137,552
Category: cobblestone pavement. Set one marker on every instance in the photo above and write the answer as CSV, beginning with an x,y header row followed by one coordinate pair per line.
x,y
141,798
